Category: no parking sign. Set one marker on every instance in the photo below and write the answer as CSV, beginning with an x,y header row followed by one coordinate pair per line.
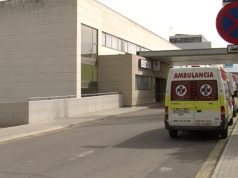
x,y
227,23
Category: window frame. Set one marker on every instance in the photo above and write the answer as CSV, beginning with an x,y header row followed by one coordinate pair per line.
x,y
149,84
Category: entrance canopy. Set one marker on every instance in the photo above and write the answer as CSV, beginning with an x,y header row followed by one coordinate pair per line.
x,y
192,56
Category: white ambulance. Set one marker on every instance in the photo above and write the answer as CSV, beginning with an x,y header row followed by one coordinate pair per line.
x,y
198,98
233,85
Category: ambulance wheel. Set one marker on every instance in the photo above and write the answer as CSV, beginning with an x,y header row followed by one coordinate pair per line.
x,y
224,133
173,133
230,122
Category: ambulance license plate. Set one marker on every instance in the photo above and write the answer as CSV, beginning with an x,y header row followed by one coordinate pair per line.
x,y
181,112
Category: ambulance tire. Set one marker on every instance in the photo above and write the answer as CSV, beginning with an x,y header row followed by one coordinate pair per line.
x,y
224,133
230,122
173,133
234,113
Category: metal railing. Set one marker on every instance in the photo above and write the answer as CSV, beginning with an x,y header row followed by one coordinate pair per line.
x,y
69,96
99,94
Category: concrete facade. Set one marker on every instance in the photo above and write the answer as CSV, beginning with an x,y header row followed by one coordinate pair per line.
x,y
40,44
19,113
37,49
117,73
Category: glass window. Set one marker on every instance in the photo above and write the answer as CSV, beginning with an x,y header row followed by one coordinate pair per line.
x,y
95,73
131,48
125,46
114,42
88,40
94,52
108,40
172,40
103,39
95,36
119,44
86,72
89,73
142,82
89,90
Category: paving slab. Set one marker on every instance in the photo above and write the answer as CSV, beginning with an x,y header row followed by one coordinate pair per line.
x,y
228,162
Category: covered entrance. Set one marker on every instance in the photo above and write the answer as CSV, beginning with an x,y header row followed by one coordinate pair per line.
x,y
209,56
160,86
192,56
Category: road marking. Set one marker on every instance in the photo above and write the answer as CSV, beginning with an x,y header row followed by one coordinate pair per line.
x,y
82,155
165,169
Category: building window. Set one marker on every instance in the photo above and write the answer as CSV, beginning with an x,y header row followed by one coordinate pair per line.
x,y
103,39
142,82
131,48
186,40
108,41
120,44
88,42
114,42
89,73
125,46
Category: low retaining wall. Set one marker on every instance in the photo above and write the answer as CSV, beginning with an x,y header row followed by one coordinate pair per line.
x,y
13,114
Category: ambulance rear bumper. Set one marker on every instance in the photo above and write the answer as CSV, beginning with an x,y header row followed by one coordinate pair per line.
x,y
222,126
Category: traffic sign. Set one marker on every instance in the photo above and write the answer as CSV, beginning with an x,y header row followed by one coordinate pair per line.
x,y
224,2
227,22
232,48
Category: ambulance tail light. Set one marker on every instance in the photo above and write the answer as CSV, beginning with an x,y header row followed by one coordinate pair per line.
x,y
223,112
166,112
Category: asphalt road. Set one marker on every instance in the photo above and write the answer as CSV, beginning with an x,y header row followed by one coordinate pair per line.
x,y
135,145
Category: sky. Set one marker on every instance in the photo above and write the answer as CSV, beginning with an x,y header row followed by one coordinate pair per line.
x,y
169,17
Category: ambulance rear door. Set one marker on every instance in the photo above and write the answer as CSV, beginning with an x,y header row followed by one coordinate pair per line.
x,y
206,104
181,100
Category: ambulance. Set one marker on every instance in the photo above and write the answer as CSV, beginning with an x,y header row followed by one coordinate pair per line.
x,y
233,85
198,98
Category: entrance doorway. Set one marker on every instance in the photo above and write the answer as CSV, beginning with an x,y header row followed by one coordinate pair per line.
x,y
160,87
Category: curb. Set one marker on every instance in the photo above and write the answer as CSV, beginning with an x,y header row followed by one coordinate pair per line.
x,y
23,135
59,127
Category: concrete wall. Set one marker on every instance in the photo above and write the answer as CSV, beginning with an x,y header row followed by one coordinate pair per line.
x,y
117,74
37,49
13,114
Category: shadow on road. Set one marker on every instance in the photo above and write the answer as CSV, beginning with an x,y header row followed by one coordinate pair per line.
x,y
159,139
188,146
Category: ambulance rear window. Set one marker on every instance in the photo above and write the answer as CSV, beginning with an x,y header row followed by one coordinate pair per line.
x,y
195,90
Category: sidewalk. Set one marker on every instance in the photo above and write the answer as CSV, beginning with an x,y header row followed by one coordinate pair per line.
x,y
228,162
11,133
